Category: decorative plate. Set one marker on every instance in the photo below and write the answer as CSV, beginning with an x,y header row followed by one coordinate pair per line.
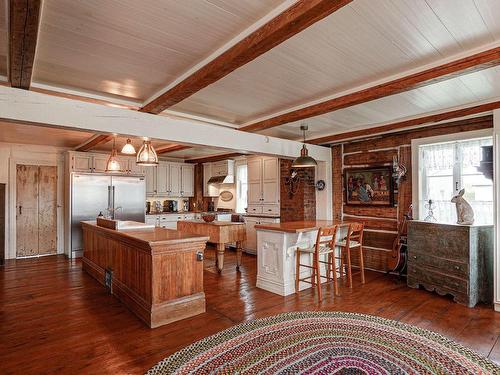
x,y
226,196
320,185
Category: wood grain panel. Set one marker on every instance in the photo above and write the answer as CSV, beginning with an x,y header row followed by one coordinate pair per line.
x,y
384,212
370,158
95,141
374,223
380,240
211,159
337,185
27,210
47,210
298,17
171,148
405,186
467,65
405,137
24,18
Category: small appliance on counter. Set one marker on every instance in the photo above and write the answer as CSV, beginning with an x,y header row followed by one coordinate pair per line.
x,y
148,207
211,206
157,206
170,206
185,205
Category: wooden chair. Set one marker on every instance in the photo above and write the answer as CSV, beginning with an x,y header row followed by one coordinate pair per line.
x,y
353,240
325,245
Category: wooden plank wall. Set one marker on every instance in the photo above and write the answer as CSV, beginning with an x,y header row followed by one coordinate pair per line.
x,y
381,223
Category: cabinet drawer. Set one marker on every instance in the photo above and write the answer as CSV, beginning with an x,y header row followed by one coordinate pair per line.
x,y
271,209
439,264
436,280
254,209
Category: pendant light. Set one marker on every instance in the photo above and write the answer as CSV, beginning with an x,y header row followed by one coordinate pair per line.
x,y
113,165
147,155
128,148
304,160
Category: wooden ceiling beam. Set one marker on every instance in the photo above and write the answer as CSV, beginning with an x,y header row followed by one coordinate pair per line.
x,y
94,141
211,159
24,19
463,66
406,124
171,148
293,20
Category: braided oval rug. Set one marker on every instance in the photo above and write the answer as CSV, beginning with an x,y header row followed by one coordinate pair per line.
x,y
325,343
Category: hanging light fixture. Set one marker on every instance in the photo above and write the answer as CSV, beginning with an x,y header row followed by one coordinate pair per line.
x,y
304,160
113,165
147,155
128,148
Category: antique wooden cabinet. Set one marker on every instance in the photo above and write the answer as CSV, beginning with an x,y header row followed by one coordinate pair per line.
x,y
452,259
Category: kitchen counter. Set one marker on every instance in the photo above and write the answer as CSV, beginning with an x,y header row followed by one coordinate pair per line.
x,y
299,226
157,273
262,215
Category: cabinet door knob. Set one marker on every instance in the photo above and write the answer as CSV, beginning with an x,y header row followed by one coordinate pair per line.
x,y
457,267
414,257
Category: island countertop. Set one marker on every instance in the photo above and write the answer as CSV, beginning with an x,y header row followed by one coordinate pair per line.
x,y
151,236
300,226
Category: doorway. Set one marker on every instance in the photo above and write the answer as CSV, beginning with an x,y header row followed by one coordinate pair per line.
x,y
36,210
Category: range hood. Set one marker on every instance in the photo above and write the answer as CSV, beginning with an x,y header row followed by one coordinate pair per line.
x,y
221,180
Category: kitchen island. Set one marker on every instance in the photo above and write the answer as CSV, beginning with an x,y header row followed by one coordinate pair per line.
x,y
220,233
157,273
276,246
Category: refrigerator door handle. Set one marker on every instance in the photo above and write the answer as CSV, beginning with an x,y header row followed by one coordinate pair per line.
x,y
110,199
113,200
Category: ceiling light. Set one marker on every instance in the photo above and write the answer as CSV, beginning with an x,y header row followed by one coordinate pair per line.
x,y
113,165
304,160
147,155
128,148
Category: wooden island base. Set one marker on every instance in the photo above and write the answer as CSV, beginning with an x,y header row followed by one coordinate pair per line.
x,y
157,273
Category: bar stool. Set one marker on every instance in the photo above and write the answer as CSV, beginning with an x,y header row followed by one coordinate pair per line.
x,y
325,245
353,240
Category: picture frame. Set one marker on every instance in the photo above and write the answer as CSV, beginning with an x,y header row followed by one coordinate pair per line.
x,y
371,186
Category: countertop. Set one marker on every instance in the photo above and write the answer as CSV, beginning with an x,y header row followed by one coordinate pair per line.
x,y
214,223
300,226
153,236
262,215
192,212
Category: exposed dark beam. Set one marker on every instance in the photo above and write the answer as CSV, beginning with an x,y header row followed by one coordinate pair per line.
x,y
298,17
94,141
210,159
401,125
171,148
24,18
467,65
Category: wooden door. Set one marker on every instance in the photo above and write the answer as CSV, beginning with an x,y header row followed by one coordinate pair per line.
x,y
36,210
47,210
27,210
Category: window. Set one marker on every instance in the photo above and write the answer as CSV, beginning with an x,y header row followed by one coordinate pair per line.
x,y
241,188
444,169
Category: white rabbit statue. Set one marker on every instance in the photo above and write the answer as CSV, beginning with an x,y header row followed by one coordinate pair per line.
x,y
465,215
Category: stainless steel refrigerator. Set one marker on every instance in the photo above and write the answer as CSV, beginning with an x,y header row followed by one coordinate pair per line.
x,y
122,197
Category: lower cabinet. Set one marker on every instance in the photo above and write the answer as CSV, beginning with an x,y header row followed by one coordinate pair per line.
x,y
250,245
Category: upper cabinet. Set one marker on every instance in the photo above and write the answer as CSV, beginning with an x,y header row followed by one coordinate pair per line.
x,y
209,190
96,163
221,172
263,184
187,180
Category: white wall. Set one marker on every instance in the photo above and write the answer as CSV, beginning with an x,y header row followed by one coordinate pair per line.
x,y
12,154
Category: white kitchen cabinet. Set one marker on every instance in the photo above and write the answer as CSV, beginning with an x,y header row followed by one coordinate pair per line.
x,y
162,171
96,162
150,176
263,185
174,180
81,162
250,244
99,163
209,190
153,220
134,168
187,180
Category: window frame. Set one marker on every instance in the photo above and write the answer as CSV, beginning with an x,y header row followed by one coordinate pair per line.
x,y
239,163
415,159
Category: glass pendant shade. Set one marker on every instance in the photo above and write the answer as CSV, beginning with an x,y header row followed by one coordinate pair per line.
x,y
113,165
128,148
147,155
304,160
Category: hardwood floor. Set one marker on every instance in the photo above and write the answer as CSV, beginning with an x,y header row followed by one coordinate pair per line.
x,y
56,319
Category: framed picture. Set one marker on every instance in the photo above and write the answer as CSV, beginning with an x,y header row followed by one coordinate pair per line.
x,y
369,186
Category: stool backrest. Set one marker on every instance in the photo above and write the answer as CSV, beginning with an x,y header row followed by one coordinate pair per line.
x,y
355,233
327,236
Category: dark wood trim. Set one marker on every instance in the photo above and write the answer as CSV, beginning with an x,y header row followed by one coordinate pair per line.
x,y
467,65
211,159
293,20
406,124
171,148
24,18
94,141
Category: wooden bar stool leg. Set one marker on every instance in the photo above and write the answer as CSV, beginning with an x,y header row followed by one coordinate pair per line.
x,y
341,256
349,269
313,274
362,264
329,267
335,281
297,270
318,276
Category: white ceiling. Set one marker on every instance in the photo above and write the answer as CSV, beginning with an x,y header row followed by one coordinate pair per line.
x,y
132,49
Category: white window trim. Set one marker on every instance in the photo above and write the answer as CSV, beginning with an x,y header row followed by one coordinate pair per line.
x,y
416,143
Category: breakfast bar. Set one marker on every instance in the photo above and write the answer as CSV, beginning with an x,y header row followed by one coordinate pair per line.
x,y
157,273
276,246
